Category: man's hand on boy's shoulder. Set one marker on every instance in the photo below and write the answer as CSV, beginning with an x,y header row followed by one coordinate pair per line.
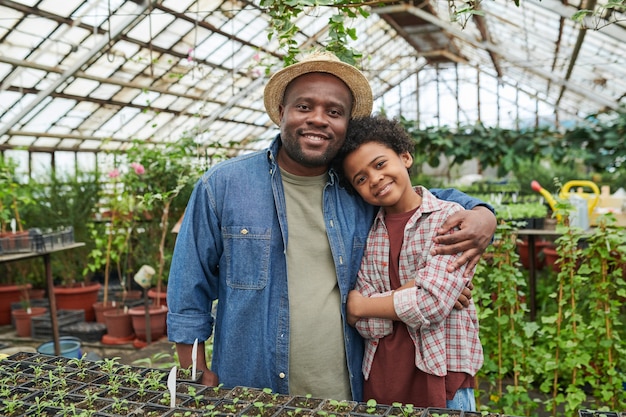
x,y
472,232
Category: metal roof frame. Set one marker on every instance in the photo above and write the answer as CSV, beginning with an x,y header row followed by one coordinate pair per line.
x,y
95,75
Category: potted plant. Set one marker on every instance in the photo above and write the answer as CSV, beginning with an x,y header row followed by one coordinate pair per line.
x,y
13,289
66,202
9,294
78,295
157,316
170,173
112,235
10,196
22,316
529,215
370,408
551,257
119,326
12,236
166,173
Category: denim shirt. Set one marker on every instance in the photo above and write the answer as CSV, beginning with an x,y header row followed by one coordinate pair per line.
x,y
232,247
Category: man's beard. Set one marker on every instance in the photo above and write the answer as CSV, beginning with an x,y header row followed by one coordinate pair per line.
x,y
295,152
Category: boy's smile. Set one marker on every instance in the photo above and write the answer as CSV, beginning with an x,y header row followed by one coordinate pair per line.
x,y
381,177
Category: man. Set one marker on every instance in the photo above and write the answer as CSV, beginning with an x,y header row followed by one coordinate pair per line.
x,y
278,242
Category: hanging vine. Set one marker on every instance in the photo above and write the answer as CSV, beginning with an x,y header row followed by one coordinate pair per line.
x,y
285,13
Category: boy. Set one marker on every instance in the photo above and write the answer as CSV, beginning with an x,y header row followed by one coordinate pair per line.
x,y
419,349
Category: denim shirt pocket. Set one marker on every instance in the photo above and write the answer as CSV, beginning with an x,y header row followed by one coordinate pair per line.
x,y
247,253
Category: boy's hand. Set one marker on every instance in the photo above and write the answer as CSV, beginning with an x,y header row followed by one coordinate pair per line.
x,y
464,298
354,297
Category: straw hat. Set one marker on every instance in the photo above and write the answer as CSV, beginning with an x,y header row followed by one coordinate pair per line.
x,y
319,62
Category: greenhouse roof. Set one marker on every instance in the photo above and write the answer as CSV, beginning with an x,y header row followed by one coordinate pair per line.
x,y
94,75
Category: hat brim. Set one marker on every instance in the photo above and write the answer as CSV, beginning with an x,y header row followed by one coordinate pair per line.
x,y
352,77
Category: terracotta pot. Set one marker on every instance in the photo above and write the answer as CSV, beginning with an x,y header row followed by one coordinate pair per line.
x,y
522,249
99,308
551,257
158,298
80,297
130,295
22,319
9,294
37,293
158,316
119,324
15,242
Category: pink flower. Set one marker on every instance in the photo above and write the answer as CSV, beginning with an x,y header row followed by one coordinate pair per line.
x,y
139,169
114,173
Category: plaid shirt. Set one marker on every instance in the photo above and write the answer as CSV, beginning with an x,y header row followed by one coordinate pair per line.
x,y
445,339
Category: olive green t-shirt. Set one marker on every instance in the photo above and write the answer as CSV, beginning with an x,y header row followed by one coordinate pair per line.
x,y
317,359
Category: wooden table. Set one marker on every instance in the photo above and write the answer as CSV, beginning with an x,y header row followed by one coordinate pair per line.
x,y
45,254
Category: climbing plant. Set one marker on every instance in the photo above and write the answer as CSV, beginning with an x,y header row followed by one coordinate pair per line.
x,y
572,356
501,294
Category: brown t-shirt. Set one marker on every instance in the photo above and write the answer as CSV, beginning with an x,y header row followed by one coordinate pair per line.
x,y
394,376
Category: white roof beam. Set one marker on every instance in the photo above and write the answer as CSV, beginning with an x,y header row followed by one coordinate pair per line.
x,y
97,49
566,11
490,47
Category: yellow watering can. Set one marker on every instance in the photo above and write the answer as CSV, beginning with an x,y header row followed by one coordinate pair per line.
x,y
565,194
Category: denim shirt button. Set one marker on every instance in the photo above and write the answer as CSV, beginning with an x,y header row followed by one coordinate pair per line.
x,y
281,375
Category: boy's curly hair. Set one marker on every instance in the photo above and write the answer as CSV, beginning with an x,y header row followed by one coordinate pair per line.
x,y
379,129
